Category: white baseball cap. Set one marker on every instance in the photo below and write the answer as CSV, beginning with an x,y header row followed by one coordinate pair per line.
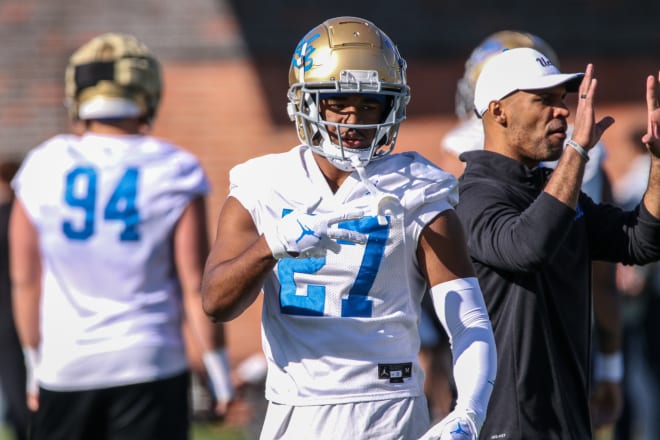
x,y
517,69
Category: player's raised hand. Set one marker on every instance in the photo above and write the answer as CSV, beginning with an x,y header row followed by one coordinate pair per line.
x,y
652,136
457,425
303,235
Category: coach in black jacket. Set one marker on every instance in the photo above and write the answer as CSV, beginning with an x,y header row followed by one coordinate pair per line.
x,y
532,236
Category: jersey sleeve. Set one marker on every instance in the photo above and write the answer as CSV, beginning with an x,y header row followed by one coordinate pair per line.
x,y
241,183
38,167
24,184
169,184
190,177
264,183
428,192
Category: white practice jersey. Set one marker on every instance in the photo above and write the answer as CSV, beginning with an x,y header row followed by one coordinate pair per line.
x,y
343,328
105,208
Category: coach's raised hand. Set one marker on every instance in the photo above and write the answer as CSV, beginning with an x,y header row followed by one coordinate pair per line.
x,y
587,131
652,136
652,141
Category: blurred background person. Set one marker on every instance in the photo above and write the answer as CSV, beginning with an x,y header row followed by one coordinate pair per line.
x,y
12,366
108,238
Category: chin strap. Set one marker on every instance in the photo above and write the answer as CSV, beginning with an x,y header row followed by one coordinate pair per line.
x,y
383,204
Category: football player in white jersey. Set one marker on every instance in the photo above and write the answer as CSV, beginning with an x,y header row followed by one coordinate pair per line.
x,y
344,238
108,241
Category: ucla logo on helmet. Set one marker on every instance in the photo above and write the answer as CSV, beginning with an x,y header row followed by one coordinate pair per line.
x,y
300,57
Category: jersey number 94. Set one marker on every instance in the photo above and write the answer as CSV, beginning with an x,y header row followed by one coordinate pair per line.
x,y
81,192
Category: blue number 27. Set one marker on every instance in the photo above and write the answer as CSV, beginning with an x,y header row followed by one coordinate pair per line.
x,y
81,192
357,303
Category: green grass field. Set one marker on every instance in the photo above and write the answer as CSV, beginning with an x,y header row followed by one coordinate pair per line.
x,y
214,432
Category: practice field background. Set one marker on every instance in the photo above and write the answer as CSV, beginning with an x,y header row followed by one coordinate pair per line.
x,y
225,65
201,431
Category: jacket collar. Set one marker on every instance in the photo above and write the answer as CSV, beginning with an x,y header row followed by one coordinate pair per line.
x,y
495,166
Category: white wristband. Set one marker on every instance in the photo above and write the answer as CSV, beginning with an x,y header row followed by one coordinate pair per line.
x,y
253,369
217,369
608,367
31,359
577,147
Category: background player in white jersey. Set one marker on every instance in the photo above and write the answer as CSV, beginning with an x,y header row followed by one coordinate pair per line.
x,y
344,238
108,239
468,135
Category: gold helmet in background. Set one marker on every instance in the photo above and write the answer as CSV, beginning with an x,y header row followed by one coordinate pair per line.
x,y
113,76
493,44
346,55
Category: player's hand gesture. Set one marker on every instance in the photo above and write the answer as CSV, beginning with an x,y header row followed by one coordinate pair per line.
x,y
652,136
457,425
304,235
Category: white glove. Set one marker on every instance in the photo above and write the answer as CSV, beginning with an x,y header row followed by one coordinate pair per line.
x,y
457,425
303,235
217,370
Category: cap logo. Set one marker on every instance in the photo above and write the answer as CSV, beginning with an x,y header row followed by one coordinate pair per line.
x,y
544,62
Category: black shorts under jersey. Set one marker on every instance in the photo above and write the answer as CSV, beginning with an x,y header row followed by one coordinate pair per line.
x,y
155,410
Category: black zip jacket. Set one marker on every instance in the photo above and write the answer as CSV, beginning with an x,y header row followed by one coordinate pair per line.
x,y
533,256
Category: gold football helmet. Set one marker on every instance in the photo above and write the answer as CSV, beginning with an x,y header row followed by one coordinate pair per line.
x,y
346,55
113,76
493,44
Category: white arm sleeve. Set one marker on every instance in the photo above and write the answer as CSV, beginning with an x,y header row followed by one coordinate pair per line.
x,y
460,307
217,367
